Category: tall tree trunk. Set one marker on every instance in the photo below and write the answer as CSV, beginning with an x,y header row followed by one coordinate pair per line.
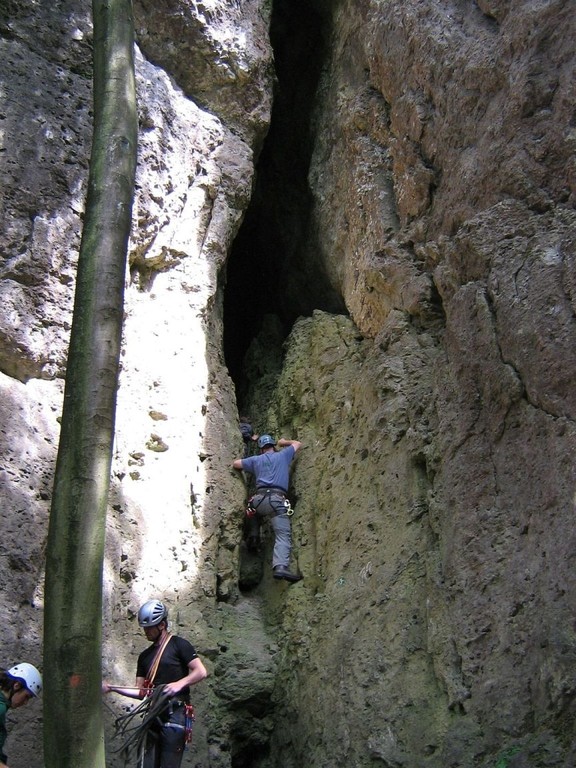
x,y
73,723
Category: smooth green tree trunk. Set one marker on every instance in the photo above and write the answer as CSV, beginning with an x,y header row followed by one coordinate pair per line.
x,y
73,722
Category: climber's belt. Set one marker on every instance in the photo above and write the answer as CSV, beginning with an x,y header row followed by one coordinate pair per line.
x,y
271,490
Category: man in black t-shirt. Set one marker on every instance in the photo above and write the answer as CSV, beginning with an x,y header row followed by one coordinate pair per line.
x,y
170,662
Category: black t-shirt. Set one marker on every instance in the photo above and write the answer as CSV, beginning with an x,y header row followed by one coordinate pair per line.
x,y
173,664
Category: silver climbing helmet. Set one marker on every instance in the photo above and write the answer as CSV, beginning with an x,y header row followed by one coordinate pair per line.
x,y
29,676
152,613
265,440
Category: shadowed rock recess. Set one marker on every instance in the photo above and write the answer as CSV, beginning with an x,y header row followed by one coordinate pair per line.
x,y
355,223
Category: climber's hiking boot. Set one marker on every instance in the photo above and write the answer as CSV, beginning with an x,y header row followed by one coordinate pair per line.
x,y
281,572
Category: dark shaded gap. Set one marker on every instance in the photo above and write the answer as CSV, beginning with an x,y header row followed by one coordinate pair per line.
x,y
274,267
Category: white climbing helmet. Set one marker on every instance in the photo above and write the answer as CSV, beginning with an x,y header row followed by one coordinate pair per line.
x,y
29,676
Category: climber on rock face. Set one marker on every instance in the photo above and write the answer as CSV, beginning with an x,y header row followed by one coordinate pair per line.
x,y
271,470
248,435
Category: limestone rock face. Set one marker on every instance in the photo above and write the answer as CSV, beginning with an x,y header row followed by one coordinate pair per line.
x,y
417,190
436,489
437,114
176,409
219,54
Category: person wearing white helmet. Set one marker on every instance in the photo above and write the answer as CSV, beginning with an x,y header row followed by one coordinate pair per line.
x,y
18,685
171,665
271,470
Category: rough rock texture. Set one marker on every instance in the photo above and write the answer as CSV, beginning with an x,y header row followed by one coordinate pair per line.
x,y
416,198
174,527
436,495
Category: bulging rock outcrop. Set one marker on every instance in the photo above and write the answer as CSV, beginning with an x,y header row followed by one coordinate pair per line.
x,y
415,194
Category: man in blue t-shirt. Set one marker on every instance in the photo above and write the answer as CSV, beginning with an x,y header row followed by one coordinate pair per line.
x,y
271,470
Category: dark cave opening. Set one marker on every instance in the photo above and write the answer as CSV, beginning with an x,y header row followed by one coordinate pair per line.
x,y
274,267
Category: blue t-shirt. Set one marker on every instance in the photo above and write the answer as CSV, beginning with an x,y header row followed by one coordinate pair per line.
x,y
271,469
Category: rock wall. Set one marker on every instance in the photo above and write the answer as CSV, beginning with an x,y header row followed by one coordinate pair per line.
x,y
174,524
434,211
436,492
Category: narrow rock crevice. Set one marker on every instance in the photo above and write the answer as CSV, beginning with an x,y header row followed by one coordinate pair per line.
x,y
274,267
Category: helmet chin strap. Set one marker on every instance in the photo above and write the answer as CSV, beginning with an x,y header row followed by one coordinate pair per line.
x,y
159,632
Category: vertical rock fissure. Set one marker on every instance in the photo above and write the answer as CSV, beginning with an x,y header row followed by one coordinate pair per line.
x,y
274,268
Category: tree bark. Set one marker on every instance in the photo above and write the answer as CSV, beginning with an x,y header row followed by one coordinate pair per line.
x,y
73,722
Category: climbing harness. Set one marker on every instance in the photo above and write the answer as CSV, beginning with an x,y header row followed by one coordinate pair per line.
x,y
265,495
